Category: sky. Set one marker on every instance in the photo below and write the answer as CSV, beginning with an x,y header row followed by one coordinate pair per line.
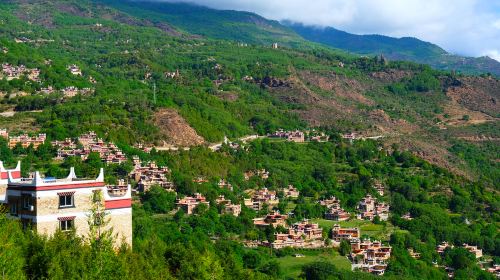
x,y
463,27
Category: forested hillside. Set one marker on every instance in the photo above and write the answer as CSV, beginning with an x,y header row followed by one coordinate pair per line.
x,y
126,73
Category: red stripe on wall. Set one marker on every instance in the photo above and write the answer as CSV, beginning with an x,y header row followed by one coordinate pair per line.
x,y
121,203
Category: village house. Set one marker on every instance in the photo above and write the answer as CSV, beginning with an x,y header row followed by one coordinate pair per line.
x,y
338,233
223,184
495,270
232,209
200,180
331,202
474,250
319,137
443,246
291,192
49,204
306,230
25,140
414,254
47,90
337,214
260,198
274,45
349,136
228,206
407,216
293,136
379,188
369,256
274,219
189,203
4,133
370,208
74,69
172,75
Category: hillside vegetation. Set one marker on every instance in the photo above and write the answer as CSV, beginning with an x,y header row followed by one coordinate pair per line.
x,y
153,80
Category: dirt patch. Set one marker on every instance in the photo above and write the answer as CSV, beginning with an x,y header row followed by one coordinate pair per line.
x,y
477,94
227,95
391,75
337,85
175,130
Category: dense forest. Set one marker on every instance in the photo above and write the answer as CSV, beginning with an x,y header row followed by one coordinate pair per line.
x,y
225,88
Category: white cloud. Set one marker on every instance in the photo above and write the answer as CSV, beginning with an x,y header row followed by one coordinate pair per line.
x,y
466,27
495,54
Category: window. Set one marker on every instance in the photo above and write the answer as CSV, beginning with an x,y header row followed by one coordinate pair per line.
x,y
66,225
13,209
66,201
27,201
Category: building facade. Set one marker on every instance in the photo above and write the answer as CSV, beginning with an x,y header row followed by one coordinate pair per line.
x,y
49,204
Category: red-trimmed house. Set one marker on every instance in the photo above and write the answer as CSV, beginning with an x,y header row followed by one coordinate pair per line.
x,y
48,204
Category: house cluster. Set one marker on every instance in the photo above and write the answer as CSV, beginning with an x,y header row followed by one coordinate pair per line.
x,y
86,144
293,136
25,140
149,175
366,255
369,208
228,207
172,75
441,248
10,72
74,69
262,173
189,203
260,198
48,204
303,234
334,211
72,91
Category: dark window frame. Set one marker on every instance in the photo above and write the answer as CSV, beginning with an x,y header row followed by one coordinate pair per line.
x,y
63,201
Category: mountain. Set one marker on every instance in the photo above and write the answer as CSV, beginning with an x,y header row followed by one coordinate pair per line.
x,y
245,27
251,28
406,48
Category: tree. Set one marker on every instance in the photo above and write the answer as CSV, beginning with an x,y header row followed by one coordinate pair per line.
x,y
319,271
12,260
345,248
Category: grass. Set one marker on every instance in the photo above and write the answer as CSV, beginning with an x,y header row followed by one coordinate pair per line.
x,y
292,266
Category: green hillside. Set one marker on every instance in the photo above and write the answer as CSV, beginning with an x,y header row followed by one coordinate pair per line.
x,y
435,147
244,27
